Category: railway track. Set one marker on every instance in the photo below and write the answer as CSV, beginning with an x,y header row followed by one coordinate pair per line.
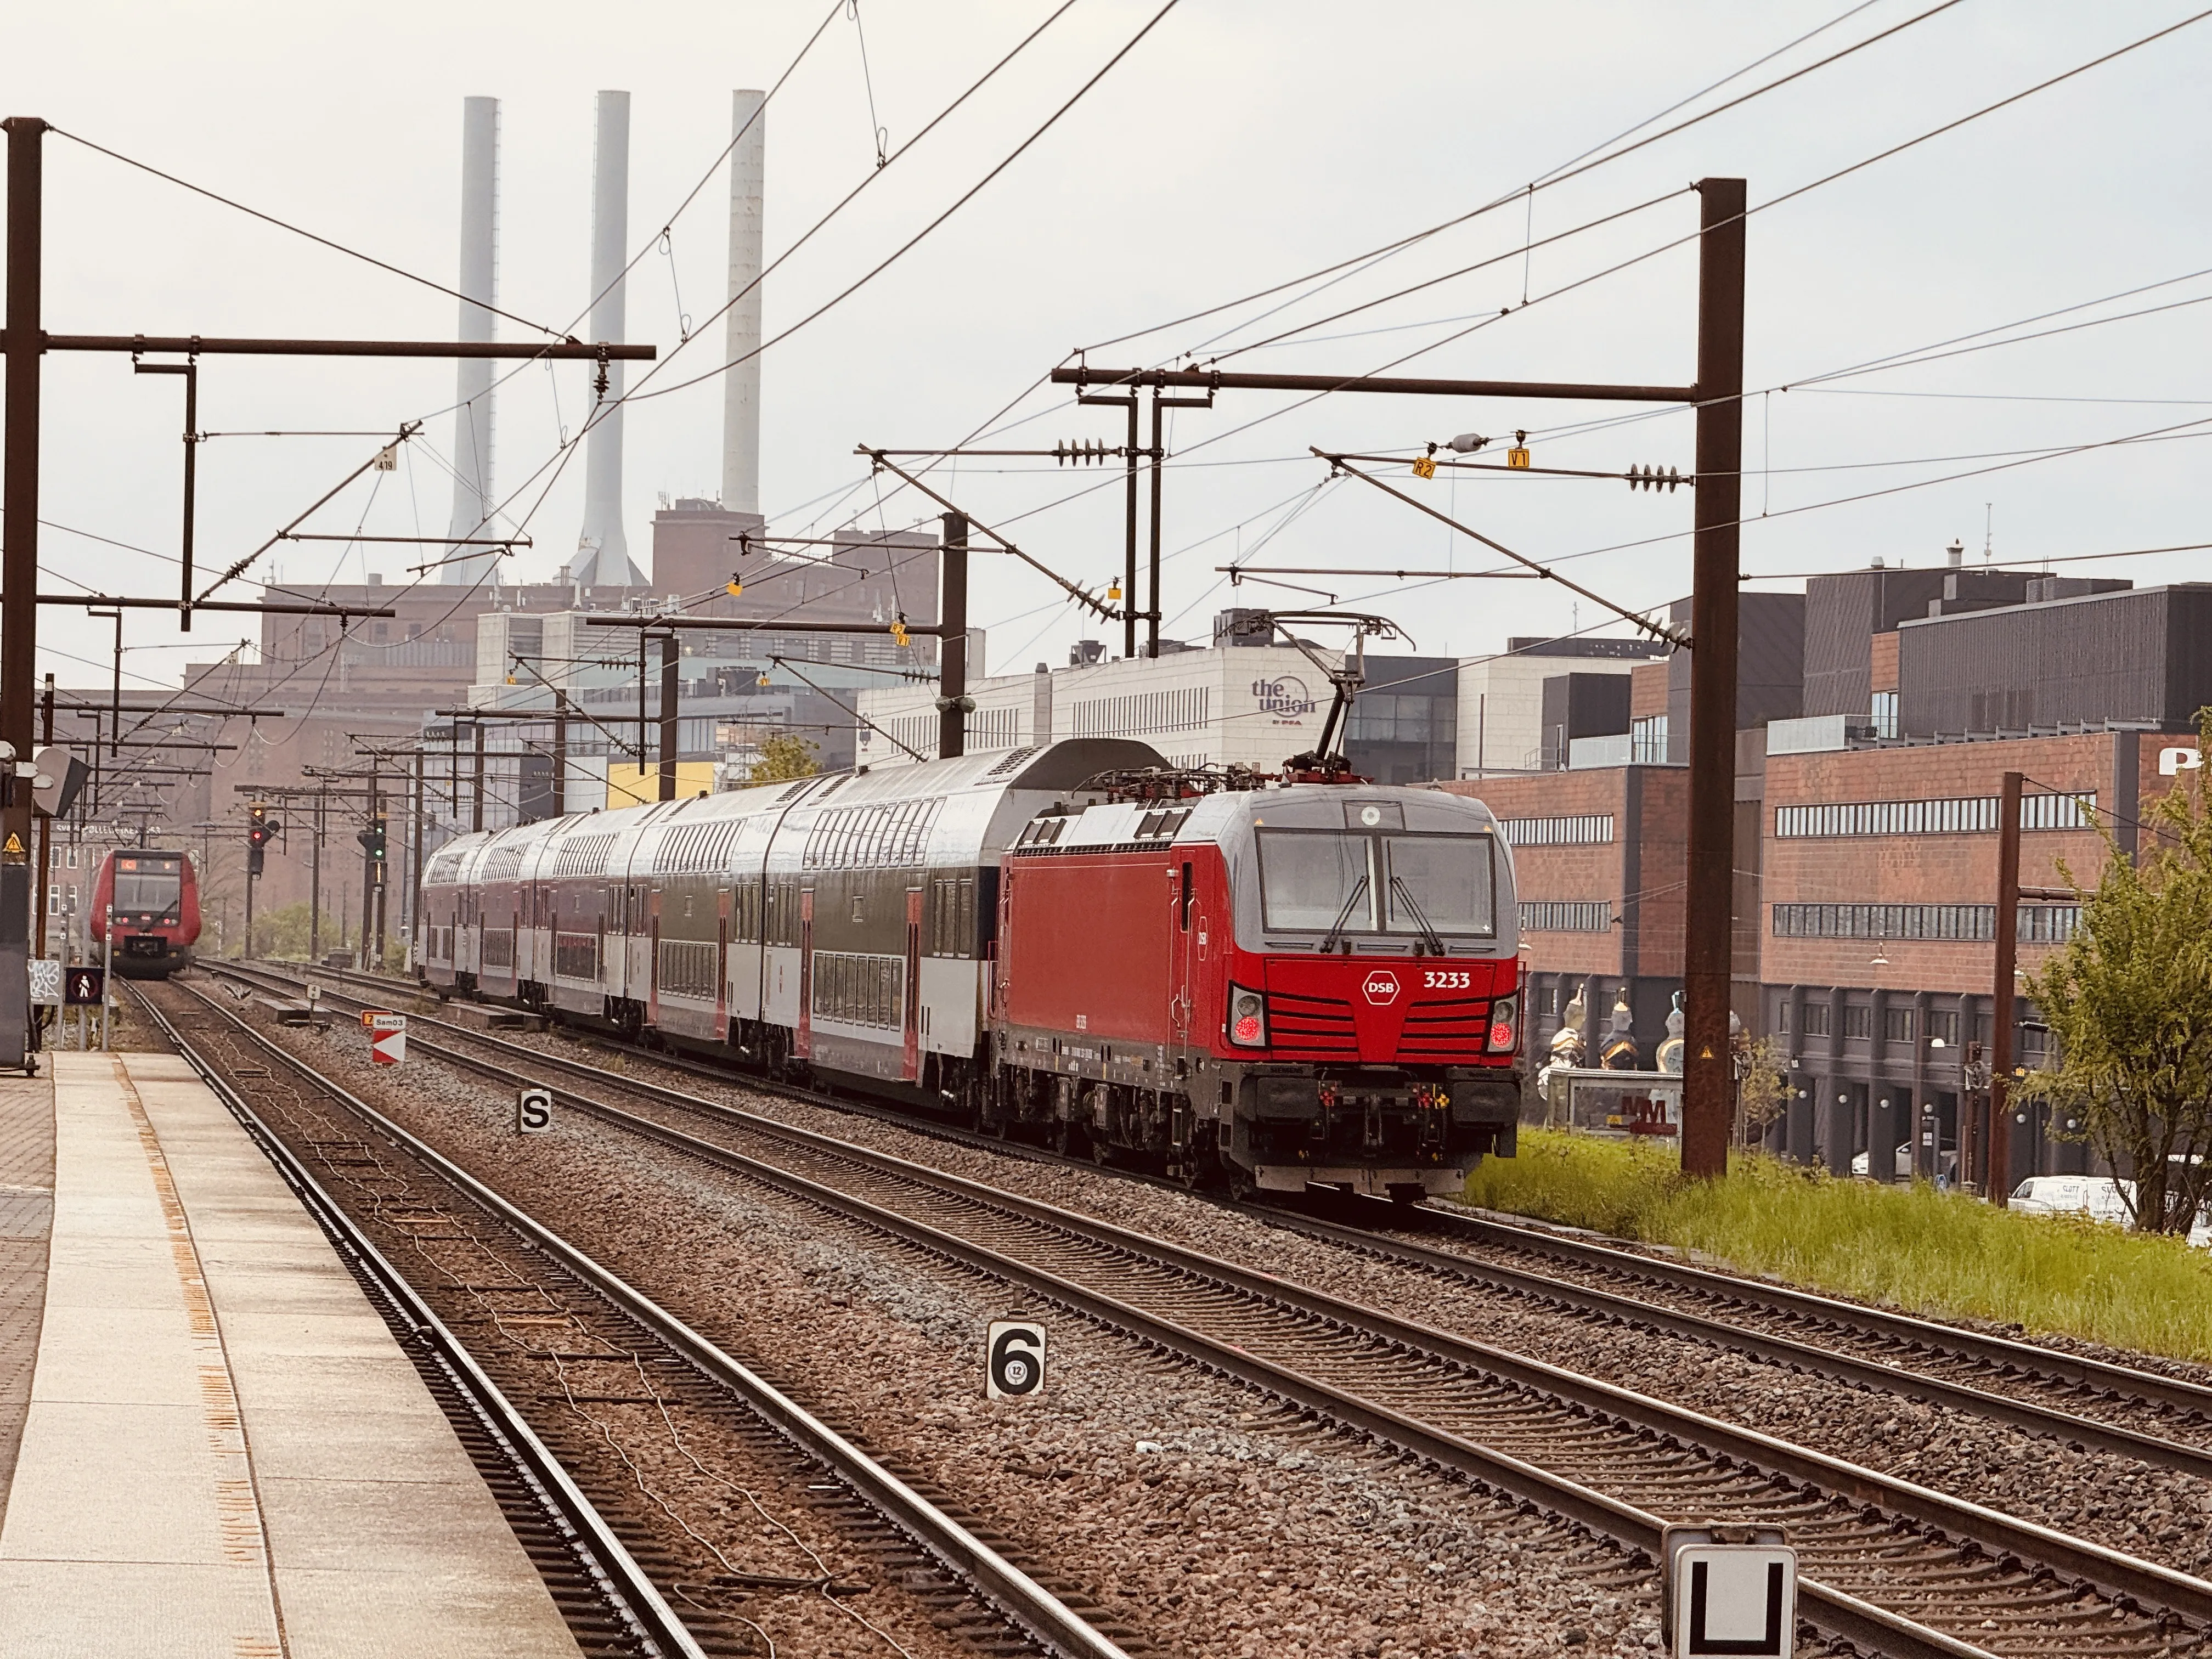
x,y
1891,1566
2076,1400
571,1360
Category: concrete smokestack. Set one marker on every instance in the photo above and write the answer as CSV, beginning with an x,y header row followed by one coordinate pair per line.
x,y
602,550
479,282
741,385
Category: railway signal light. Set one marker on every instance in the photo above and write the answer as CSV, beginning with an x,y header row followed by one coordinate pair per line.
x,y
260,830
372,842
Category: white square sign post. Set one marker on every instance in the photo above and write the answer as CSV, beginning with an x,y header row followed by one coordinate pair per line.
x,y
1015,1367
533,1111
1729,1591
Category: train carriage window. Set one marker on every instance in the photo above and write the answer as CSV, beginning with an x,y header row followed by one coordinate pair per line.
x,y
963,939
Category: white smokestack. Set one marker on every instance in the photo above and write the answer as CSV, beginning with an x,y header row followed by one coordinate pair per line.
x,y
741,385
479,282
602,550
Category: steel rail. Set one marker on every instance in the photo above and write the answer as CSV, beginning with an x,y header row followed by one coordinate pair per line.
x,y
1021,1599
1913,1334
1910,1332
615,1572
2064,1426
1908,1329
2120,1577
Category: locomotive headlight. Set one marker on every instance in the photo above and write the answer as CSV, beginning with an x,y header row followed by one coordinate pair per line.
x,y
1248,1018
1504,1026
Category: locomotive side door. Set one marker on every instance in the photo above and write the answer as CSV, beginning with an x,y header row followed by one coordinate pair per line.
x,y
1183,941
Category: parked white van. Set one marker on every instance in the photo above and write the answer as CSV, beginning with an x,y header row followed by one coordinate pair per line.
x,y
2101,1197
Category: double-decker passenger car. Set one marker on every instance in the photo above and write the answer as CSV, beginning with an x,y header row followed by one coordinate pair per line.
x,y
154,902
1285,984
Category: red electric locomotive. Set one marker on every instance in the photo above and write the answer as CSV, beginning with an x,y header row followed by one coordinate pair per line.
x,y
1291,984
154,902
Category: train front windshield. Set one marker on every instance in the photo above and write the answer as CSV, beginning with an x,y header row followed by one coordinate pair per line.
x,y
1339,882
149,887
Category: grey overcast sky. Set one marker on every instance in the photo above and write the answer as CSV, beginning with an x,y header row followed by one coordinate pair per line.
x,y
1241,143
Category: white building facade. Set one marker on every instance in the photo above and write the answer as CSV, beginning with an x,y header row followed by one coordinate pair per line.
x,y
1501,699
1251,706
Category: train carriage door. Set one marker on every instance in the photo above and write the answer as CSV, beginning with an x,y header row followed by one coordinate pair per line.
x,y
803,1043
910,1015
722,966
652,955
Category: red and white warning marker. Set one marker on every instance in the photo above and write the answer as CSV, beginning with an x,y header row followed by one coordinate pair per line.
x,y
387,1038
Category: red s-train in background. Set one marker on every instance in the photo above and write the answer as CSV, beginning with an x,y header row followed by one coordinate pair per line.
x,y
154,902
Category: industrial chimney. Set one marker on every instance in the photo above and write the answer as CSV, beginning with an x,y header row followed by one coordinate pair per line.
x,y
478,283
602,550
741,385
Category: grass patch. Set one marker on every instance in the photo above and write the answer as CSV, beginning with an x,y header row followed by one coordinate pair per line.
x,y
1940,1254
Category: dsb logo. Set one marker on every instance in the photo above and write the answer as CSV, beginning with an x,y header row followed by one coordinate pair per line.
x,y
1380,986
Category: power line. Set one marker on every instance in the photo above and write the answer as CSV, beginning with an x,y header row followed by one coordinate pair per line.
x,y
297,230
2061,558
907,247
1559,175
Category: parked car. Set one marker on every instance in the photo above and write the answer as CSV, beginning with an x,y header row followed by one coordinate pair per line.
x,y
2101,1197
1947,1164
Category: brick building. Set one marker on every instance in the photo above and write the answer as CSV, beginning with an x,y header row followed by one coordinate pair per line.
x,y
1866,829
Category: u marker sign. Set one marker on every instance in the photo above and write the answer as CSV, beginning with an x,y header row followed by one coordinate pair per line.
x,y
1729,1591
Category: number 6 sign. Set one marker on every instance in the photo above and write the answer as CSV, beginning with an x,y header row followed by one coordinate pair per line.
x,y
1016,1366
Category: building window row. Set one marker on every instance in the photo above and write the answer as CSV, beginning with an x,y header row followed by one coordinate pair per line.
x,y
988,728
1566,916
2039,924
1956,815
1585,830
1188,708
1898,1023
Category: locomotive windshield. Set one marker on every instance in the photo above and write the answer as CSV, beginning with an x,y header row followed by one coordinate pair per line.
x,y
147,887
1334,882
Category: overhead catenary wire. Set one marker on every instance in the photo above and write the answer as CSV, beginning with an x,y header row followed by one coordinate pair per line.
x,y
1885,154
899,252
1559,175
559,335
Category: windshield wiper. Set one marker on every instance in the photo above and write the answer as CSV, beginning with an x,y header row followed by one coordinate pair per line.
x,y
1336,928
1435,939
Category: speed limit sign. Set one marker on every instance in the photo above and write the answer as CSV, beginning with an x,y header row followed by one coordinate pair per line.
x,y
1015,1369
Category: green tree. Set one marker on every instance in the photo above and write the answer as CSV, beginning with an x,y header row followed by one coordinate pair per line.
x,y
784,756
283,931
2128,999
1762,1090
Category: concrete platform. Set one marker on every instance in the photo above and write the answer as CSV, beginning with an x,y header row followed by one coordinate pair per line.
x,y
222,1452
